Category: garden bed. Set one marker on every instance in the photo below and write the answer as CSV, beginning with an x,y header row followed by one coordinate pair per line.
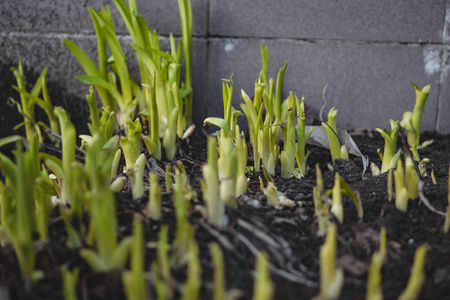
x,y
288,235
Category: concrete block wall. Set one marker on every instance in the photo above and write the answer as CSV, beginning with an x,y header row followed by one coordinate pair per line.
x,y
366,53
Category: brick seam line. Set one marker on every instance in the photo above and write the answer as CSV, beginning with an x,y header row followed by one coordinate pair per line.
x,y
442,73
219,37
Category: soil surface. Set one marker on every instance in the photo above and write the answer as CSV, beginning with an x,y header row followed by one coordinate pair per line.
x,y
288,235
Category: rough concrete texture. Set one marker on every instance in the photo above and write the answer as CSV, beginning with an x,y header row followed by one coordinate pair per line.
x,y
366,53
443,119
400,21
368,84
68,16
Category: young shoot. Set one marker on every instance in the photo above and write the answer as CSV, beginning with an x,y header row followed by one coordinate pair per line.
x,y
136,176
219,272
107,253
390,189
191,289
271,194
184,234
131,145
374,287
331,278
401,193
263,288
134,280
161,267
412,179
447,216
154,197
389,157
333,141
417,277
288,154
28,100
302,137
170,135
321,206
186,32
336,205
69,279
412,121
211,189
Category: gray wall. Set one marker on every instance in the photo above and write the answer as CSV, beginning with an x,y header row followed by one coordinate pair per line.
x,y
366,51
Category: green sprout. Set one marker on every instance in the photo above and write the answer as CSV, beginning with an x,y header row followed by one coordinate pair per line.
x,y
287,156
405,190
186,31
331,278
28,102
108,254
25,203
219,272
211,189
159,94
271,194
412,121
447,215
390,189
302,137
374,288
63,169
136,176
184,231
412,179
433,177
170,135
273,100
336,205
417,277
102,122
154,197
134,280
254,120
263,288
131,146
99,77
229,121
70,176
27,170
70,279
227,167
422,167
191,289
401,193
331,130
152,142
321,207
389,157
161,267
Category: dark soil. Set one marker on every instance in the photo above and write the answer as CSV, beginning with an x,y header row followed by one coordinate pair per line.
x,y
287,235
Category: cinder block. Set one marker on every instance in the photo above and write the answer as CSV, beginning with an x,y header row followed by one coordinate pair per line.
x,y
368,84
38,52
401,21
67,16
443,121
446,33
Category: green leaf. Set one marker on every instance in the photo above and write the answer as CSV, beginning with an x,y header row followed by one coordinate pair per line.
x,y
85,61
219,122
10,139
